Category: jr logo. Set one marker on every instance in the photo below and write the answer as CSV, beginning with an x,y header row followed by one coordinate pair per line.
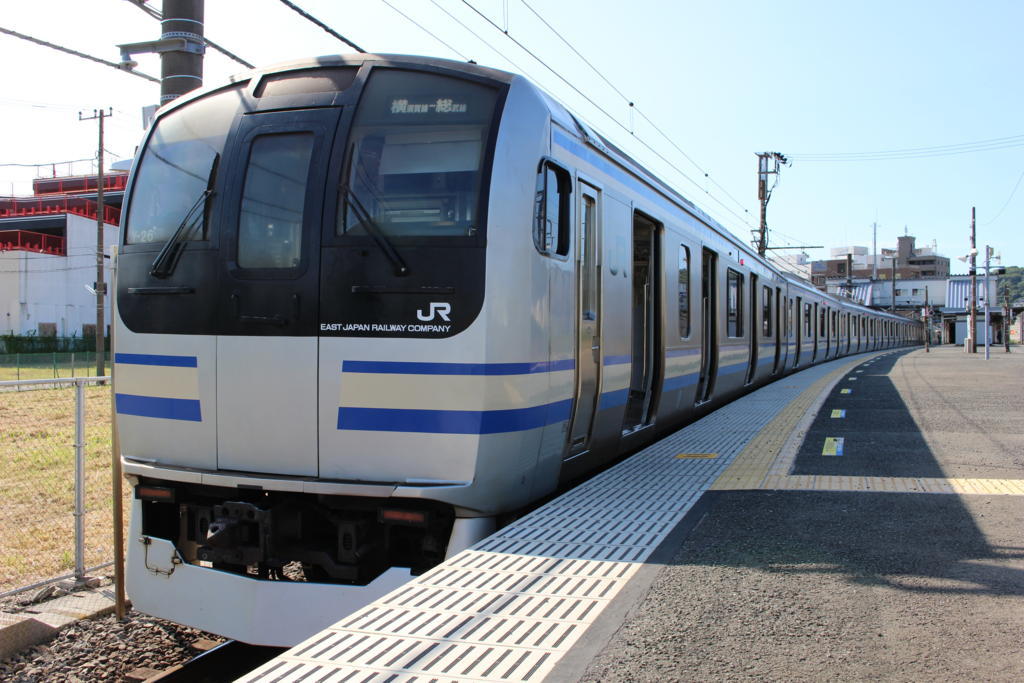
x,y
436,309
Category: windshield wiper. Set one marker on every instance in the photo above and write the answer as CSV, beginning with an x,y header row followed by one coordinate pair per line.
x,y
167,260
375,231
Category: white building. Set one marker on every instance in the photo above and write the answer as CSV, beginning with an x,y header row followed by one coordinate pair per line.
x,y
48,257
45,293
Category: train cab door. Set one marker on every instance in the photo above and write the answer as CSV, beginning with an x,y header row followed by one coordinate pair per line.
x,y
709,327
588,317
269,291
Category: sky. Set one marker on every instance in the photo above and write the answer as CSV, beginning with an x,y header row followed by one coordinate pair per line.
x,y
900,113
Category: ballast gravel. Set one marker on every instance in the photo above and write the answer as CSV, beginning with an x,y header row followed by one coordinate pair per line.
x,y
104,649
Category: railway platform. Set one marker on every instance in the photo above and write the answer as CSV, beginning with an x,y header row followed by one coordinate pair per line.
x,y
860,519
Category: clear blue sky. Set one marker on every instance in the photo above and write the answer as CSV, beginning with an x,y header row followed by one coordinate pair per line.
x,y
723,80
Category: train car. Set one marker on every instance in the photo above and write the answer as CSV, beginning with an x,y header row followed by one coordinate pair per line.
x,y
368,305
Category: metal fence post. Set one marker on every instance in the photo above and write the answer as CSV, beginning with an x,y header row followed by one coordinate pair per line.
x,y
79,480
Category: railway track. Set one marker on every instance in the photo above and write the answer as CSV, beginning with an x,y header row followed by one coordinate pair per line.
x,y
225,662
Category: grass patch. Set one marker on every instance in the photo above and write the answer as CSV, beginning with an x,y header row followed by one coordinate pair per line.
x,y
37,468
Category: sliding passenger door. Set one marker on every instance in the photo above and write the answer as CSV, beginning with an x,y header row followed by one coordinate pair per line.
x,y
709,326
588,317
645,360
269,291
754,331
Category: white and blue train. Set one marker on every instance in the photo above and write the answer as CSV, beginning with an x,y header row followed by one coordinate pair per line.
x,y
367,305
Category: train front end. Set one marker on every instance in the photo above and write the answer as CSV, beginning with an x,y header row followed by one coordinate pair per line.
x,y
315,393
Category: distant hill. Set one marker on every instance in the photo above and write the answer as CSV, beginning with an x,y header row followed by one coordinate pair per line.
x,y
1013,282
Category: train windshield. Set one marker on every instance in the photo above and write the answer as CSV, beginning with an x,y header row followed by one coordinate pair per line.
x,y
416,156
176,168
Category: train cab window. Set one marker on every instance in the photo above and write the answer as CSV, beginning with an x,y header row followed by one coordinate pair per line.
x,y
684,292
766,311
417,156
553,211
734,304
270,220
178,170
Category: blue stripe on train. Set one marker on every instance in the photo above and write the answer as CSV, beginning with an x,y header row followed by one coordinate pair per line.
x,y
453,421
416,368
154,359
155,406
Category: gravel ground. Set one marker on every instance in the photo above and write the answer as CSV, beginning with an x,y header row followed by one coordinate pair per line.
x,y
104,649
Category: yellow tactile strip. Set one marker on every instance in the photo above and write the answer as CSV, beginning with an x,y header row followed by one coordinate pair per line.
x,y
766,463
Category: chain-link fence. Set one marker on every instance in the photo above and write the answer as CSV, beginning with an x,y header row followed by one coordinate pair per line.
x,y
56,364
55,486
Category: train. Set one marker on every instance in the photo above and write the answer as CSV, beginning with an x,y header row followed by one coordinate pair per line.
x,y
367,307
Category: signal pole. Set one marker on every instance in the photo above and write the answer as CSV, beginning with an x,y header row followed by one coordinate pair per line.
x,y
767,164
100,285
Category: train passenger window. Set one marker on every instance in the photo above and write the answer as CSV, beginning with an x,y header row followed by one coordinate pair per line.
x,y
684,292
417,154
553,211
178,165
807,321
734,304
766,311
270,220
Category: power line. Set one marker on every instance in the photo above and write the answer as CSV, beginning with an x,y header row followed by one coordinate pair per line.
x,y
306,15
476,35
425,30
157,14
917,152
114,65
1009,199
50,163
633,107
618,123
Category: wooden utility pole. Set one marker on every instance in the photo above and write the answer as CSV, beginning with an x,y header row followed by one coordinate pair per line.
x,y
972,341
100,285
1006,317
927,326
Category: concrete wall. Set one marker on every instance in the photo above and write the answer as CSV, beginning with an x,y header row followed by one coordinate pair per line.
x,y
43,288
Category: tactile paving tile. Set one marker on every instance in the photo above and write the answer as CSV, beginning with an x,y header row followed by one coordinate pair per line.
x,y
511,606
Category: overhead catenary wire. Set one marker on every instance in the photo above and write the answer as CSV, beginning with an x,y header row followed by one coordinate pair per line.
x,y
157,14
424,29
76,53
476,35
309,17
612,118
632,104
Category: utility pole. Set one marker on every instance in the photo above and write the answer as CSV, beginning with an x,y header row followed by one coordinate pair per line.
x,y
874,250
893,283
849,275
767,165
1006,317
927,326
100,285
972,341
